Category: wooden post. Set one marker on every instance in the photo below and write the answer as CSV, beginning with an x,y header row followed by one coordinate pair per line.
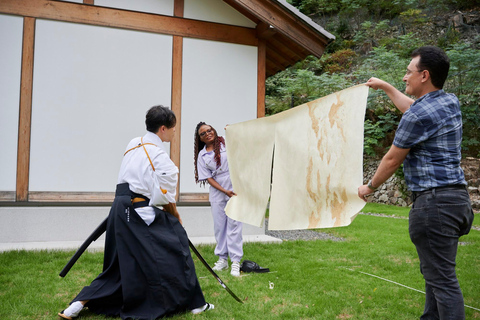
x,y
177,60
261,77
25,114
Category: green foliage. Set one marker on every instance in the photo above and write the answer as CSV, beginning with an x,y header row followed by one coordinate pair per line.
x,y
386,65
413,17
405,44
289,89
316,6
339,61
375,132
383,8
462,4
451,36
464,81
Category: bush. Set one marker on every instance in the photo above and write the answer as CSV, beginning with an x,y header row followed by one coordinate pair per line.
x,y
463,80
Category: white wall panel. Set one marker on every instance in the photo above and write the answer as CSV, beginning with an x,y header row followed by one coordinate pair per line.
x,y
92,87
215,11
164,7
11,31
219,88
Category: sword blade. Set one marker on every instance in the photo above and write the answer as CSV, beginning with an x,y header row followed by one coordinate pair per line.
x,y
213,272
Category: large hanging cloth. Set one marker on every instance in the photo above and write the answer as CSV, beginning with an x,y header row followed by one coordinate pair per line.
x,y
307,160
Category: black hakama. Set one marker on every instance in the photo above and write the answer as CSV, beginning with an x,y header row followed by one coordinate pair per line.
x,y
148,272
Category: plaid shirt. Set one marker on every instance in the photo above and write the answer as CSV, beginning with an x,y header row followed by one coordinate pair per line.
x,y
432,130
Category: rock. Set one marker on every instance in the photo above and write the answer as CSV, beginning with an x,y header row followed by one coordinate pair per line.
x,y
473,189
476,204
391,191
383,198
457,20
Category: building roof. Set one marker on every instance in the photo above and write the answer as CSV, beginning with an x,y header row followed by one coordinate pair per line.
x,y
289,35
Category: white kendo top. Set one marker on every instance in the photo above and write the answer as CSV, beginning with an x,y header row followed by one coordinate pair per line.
x,y
137,171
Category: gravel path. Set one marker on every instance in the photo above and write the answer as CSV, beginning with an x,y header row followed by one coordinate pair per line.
x,y
299,234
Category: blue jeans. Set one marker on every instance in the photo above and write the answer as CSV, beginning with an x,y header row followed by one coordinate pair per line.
x,y
437,220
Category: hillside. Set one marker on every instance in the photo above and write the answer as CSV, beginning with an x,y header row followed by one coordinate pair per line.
x,y
376,39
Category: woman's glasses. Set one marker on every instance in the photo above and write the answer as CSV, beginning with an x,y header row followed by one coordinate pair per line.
x,y
202,134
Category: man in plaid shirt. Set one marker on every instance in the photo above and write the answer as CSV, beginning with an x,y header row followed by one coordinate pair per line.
x,y
428,142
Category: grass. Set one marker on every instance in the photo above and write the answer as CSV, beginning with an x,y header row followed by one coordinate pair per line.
x,y
308,279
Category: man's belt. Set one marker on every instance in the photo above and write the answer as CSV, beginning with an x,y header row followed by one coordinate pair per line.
x,y
416,194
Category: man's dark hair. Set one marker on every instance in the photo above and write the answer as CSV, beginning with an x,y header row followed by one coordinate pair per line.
x,y
159,116
436,61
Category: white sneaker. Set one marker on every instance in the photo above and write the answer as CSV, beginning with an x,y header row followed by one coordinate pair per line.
x,y
220,265
235,269
204,308
72,311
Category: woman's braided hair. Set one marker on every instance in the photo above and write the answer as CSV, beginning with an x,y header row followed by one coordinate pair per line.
x,y
199,144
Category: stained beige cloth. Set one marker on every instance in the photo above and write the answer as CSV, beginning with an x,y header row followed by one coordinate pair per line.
x,y
308,160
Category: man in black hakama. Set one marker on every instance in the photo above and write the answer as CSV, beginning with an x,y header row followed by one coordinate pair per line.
x,y
148,272
143,266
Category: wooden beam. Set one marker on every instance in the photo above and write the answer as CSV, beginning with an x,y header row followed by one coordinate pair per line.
x,y
108,17
261,77
7,196
194,197
279,56
288,52
25,113
265,31
91,2
74,197
276,64
286,23
273,68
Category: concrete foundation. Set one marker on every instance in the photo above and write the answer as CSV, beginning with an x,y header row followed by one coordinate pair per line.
x,y
65,228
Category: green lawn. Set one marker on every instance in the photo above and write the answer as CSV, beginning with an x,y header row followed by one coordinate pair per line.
x,y
309,279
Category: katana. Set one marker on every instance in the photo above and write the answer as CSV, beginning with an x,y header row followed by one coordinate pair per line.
x,y
103,227
213,272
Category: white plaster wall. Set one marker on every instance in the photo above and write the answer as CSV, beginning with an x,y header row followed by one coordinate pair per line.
x,y
215,11
219,88
92,87
164,7
11,30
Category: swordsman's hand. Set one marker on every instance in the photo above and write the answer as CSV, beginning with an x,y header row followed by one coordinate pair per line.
x,y
172,209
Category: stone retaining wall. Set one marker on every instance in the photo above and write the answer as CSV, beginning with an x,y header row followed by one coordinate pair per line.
x,y
394,190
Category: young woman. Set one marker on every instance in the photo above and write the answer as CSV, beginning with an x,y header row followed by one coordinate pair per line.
x,y
211,166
